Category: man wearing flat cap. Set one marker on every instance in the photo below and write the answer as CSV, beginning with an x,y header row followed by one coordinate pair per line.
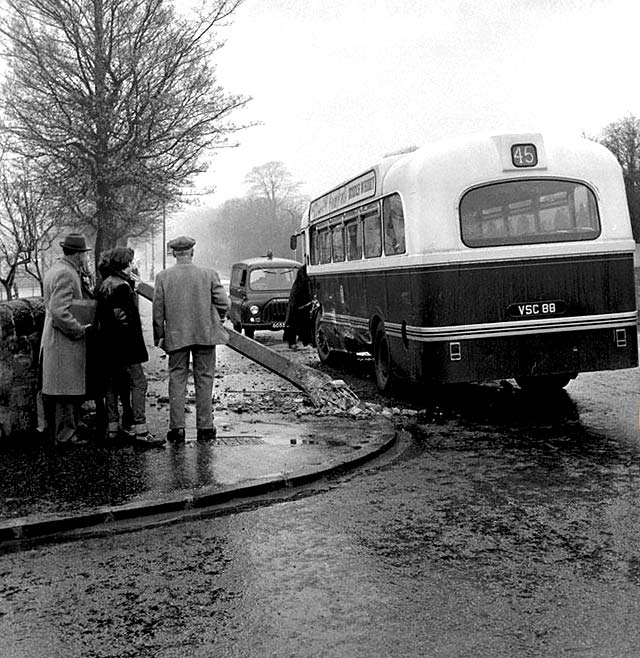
x,y
189,304
68,314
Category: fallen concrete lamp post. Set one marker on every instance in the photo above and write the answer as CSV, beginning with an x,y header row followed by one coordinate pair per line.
x,y
325,393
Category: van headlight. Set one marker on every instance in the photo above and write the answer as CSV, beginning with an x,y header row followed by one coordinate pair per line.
x,y
254,310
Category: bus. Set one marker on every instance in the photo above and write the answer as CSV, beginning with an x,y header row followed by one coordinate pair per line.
x,y
496,256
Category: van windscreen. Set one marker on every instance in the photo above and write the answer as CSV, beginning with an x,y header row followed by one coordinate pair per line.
x,y
272,278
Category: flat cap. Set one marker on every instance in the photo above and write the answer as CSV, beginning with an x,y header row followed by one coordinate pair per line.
x,y
181,243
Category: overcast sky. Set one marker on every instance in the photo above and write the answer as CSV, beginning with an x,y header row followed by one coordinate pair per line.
x,y
339,83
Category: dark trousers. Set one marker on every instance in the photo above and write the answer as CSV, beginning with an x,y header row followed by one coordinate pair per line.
x,y
129,385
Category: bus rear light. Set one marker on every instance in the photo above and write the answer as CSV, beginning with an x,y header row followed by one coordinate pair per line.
x,y
621,337
455,352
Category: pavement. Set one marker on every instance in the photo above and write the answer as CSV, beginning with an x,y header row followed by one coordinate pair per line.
x,y
270,440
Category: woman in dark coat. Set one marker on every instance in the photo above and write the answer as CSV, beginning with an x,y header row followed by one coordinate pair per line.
x,y
123,345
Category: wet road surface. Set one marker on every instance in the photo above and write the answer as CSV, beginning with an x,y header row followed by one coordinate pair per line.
x,y
509,529
266,427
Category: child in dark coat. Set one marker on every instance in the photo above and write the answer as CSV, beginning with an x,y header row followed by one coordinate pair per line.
x,y
123,346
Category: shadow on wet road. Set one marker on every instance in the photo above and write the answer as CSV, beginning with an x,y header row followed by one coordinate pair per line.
x,y
35,478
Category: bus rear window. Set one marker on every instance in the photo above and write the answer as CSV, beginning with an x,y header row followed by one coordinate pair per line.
x,y
528,212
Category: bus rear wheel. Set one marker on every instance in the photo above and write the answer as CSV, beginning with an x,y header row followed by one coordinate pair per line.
x,y
382,360
543,383
325,353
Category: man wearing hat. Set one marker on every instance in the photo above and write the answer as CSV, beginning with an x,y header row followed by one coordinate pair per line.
x,y
68,315
189,304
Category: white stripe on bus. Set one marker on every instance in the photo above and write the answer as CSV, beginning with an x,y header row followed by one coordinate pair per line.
x,y
495,329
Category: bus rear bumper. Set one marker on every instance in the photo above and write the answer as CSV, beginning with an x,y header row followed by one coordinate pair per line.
x,y
509,357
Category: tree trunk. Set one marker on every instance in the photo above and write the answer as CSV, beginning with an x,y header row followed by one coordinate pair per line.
x,y
103,217
7,289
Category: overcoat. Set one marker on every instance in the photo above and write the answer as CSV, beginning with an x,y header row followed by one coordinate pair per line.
x,y
189,303
120,330
63,347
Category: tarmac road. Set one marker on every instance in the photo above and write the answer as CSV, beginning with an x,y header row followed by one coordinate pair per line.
x,y
510,529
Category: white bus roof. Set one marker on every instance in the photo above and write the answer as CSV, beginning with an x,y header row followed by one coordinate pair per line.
x,y
437,175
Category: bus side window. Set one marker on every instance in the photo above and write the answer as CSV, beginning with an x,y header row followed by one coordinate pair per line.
x,y
313,239
324,243
372,232
337,243
354,240
393,220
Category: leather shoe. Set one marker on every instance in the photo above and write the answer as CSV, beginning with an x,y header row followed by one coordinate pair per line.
x,y
72,442
148,440
208,434
176,435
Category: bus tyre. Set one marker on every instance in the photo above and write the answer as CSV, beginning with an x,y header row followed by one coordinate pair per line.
x,y
237,327
325,353
249,332
382,359
543,383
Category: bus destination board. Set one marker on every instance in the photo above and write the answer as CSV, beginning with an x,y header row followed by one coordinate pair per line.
x,y
355,190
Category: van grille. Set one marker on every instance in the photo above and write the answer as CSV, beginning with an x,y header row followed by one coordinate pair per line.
x,y
275,310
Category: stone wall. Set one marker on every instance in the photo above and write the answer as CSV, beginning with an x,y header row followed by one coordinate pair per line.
x,y
21,323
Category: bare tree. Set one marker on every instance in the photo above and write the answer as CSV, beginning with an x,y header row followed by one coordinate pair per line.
x,y
244,228
273,184
273,181
622,138
11,258
27,224
118,101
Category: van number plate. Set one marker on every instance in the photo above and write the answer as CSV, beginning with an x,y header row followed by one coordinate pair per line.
x,y
533,309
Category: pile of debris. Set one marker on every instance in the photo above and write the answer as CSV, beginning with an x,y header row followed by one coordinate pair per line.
x,y
328,396
332,397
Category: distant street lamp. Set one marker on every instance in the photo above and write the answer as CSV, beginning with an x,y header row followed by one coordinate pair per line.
x,y
164,236
152,272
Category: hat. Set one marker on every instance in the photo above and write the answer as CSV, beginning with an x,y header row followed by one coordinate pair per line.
x,y
75,242
181,243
